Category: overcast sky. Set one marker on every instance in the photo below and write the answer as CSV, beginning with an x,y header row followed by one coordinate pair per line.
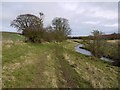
x,y
83,16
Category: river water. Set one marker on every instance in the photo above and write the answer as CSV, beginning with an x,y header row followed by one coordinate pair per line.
x,y
86,52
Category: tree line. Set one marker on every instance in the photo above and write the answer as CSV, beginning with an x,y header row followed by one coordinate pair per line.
x,y
32,27
113,36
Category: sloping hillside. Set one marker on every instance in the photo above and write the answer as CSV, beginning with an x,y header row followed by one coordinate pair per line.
x,y
50,65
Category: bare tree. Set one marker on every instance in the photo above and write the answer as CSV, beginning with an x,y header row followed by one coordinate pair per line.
x,y
97,44
30,25
61,28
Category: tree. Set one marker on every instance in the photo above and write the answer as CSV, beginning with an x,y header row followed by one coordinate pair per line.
x,y
32,28
30,25
97,44
61,28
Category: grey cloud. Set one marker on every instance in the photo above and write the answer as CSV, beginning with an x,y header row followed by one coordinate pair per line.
x,y
76,13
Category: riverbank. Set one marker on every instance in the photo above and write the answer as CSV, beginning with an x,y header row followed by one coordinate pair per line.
x,y
81,49
52,65
110,50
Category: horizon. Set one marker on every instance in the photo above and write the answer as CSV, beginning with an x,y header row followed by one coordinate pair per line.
x,y
68,35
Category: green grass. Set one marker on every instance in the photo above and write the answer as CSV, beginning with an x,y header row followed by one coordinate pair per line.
x,y
51,65
11,36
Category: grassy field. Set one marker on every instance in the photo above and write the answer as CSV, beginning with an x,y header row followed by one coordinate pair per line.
x,y
52,65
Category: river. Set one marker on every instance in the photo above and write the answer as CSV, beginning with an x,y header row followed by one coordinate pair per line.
x,y
86,52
